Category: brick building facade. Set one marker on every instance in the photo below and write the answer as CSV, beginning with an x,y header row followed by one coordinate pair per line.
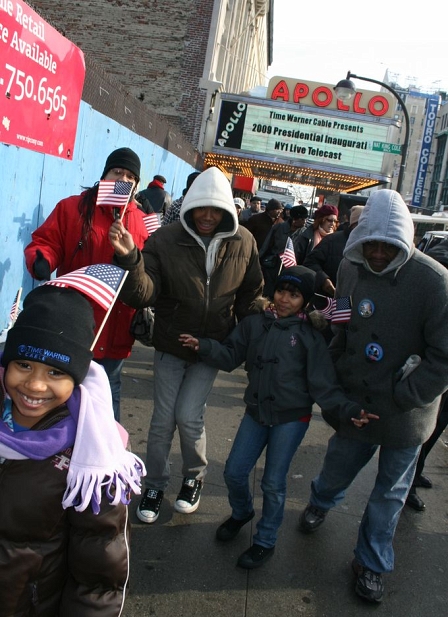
x,y
172,55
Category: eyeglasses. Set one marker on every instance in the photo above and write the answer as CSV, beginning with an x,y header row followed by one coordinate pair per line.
x,y
331,220
124,173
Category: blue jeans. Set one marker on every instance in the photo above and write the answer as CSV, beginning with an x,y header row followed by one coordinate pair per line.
x,y
113,369
281,442
180,394
343,461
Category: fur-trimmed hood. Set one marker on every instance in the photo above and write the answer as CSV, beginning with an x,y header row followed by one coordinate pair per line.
x,y
385,218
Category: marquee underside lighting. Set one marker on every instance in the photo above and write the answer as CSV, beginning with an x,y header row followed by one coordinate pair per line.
x,y
294,174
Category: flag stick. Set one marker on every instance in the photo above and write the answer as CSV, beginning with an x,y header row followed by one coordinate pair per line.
x,y
124,208
109,310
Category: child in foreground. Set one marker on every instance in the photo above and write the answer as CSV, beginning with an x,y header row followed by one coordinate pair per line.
x,y
65,474
289,367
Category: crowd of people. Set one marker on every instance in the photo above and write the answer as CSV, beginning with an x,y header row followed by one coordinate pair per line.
x,y
222,295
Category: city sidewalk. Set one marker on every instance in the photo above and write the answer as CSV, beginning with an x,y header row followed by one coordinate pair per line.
x,y
178,569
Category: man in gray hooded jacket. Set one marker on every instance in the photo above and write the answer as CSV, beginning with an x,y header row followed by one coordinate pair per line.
x,y
395,315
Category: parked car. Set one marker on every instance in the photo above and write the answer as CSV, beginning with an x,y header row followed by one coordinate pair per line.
x,y
431,239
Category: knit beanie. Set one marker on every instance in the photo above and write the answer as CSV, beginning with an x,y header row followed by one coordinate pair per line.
x,y
326,210
298,212
191,178
124,158
300,277
274,204
55,327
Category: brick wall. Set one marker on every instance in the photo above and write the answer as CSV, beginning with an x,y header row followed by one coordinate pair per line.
x,y
154,48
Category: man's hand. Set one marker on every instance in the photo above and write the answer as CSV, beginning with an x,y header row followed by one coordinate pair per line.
x,y
121,240
364,419
328,288
189,341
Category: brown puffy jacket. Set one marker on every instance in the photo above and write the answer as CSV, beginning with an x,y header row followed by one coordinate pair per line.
x,y
56,562
170,274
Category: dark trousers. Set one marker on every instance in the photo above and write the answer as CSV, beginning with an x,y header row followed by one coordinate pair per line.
x,y
442,423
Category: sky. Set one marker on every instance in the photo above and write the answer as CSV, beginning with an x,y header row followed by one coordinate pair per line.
x,y
320,40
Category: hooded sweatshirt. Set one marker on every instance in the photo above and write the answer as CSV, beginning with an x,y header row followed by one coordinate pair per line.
x,y
385,218
196,285
213,190
396,313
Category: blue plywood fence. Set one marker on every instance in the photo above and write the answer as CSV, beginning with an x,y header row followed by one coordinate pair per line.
x,y
31,184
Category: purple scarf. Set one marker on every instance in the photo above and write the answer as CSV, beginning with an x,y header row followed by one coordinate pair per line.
x,y
39,445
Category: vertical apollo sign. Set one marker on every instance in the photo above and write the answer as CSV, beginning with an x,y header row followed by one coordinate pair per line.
x,y
41,80
432,105
231,124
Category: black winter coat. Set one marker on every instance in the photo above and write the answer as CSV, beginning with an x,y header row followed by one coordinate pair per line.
x,y
325,258
289,368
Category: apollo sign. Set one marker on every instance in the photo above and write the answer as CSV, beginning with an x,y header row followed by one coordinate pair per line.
x,y
322,96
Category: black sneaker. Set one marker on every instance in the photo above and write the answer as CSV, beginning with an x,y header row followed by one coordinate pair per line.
x,y
149,507
190,494
255,556
369,584
231,527
311,519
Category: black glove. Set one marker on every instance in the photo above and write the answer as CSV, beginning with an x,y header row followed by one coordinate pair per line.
x,y
41,267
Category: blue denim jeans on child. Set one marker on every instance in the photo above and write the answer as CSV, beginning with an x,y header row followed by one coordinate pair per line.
x,y
281,442
343,461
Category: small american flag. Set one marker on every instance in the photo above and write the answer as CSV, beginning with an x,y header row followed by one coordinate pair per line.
x,y
288,256
152,222
324,305
15,310
99,282
342,310
113,194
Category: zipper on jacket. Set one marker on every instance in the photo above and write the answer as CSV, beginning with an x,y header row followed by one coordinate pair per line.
x,y
207,300
34,594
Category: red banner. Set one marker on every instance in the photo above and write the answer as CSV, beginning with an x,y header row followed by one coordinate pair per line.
x,y
41,80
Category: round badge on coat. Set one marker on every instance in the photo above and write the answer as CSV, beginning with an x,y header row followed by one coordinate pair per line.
x,y
374,352
366,308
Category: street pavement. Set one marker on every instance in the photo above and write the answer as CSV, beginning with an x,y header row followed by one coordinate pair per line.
x,y
178,569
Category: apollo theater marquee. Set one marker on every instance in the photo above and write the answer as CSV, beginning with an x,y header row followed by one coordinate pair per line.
x,y
301,133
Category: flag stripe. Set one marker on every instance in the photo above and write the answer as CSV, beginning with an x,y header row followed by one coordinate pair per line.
x,y
100,282
288,257
102,296
14,312
113,194
151,222
342,310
